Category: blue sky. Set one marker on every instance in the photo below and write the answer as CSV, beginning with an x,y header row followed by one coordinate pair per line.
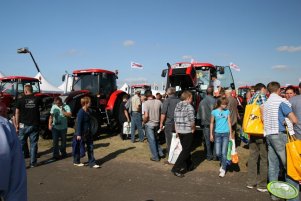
x,y
262,37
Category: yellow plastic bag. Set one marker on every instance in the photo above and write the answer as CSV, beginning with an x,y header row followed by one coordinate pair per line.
x,y
293,158
252,123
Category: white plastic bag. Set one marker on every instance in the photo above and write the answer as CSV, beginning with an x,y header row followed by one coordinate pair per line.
x,y
175,149
127,128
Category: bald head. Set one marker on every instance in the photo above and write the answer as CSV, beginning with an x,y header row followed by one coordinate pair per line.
x,y
3,110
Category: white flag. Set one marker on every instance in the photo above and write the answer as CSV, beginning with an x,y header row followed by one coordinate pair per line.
x,y
234,66
136,65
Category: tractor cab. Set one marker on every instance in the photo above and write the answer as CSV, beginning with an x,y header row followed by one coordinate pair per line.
x,y
12,87
96,81
100,85
197,76
139,87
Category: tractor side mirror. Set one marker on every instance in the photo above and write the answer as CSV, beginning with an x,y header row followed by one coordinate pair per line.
x,y
232,85
63,78
164,72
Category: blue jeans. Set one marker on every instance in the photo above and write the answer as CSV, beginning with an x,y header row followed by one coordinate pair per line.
x,y
153,143
136,122
276,156
90,152
56,135
33,133
221,147
210,150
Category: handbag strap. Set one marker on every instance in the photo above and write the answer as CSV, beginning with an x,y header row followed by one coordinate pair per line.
x,y
290,138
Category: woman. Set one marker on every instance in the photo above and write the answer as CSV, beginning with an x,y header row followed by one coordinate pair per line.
x,y
185,127
221,122
83,134
58,125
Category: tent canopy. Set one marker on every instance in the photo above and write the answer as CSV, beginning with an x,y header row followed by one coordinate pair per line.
x,y
45,86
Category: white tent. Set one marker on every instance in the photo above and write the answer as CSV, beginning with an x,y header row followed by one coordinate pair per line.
x,y
68,81
126,88
45,86
1,75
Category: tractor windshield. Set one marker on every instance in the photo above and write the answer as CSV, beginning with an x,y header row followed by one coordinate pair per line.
x,y
226,78
14,88
96,83
203,78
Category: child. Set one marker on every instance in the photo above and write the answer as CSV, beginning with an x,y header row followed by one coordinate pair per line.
x,y
84,135
221,122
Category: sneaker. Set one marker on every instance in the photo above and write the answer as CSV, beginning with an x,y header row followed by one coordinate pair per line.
x,y
220,169
250,186
262,190
95,166
78,164
222,173
33,165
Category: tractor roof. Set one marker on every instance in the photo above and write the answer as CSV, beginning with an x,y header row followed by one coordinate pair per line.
x,y
195,64
92,70
9,78
140,85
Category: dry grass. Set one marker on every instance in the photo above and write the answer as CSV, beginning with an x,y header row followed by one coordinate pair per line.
x,y
113,148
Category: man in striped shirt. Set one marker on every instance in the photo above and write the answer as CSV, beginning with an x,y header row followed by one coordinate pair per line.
x,y
275,110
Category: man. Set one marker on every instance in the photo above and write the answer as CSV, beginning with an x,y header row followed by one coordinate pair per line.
x,y
13,184
167,116
151,119
185,127
296,107
27,122
234,115
258,149
275,110
58,124
136,117
216,84
204,113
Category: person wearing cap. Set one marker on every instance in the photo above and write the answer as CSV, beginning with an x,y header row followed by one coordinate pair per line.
x,y
136,116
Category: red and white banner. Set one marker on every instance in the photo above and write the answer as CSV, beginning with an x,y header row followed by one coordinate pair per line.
x,y
234,66
136,65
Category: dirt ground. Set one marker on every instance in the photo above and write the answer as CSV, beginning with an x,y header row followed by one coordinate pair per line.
x,y
126,173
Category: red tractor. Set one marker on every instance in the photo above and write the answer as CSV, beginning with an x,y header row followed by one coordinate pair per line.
x,y
141,87
12,87
197,77
101,86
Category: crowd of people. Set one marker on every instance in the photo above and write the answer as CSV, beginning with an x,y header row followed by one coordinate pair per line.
x,y
149,114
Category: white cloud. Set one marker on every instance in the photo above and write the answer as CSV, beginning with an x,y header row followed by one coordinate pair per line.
x,y
187,57
286,48
280,67
128,43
